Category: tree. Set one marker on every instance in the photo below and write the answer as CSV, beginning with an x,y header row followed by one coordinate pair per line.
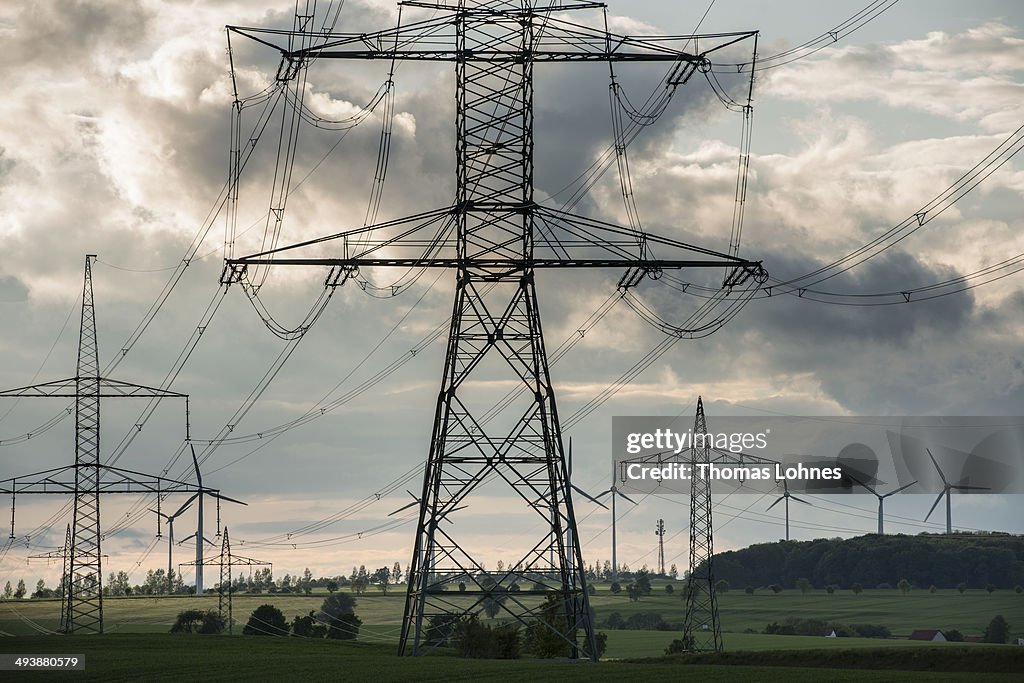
x,y
266,620
953,636
616,588
933,590
804,585
1018,589
42,591
721,586
643,582
546,637
998,630
669,588
198,621
633,591
338,613
990,588
749,590
673,572
961,587
396,573
306,582
830,589
483,641
775,588
8,591
462,586
20,592
332,586
904,586
383,577
307,627
857,589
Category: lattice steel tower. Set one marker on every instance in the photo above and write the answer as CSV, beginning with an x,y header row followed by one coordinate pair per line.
x,y
701,629
496,237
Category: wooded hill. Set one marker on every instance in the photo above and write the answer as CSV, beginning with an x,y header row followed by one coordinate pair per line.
x,y
977,560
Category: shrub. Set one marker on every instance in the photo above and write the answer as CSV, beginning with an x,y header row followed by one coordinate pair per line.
x,y
601,643
932,589
198,621
669,588
990,588
680,646
440,629
307,626
857,589
266,620
775,588
462,586
998,630
615,621
749,590
961,587
953,636
871,631
616,588
482,641
1017,589
722,586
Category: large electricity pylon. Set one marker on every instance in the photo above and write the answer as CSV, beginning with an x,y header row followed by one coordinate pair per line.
x,y
83,594
496,237
702,631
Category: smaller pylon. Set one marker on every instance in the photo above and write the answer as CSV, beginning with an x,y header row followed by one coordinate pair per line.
x,y
65,581
224,589
659,531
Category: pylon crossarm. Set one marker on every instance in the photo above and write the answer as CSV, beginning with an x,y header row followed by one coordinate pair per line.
x,y
108,388
562,41
123,481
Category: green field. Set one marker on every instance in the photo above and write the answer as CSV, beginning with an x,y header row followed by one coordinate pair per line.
x,y
181,657
381,614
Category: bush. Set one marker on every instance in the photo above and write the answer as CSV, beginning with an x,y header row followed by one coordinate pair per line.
x,y
722,586
990,588
440,629
482,641
307,627
680,646
749,590
669,588
1017,589
871,631
615,621
545,637
932,589
775,588
953,636
600,641
462,586
198,621
961,587
616,588
266,620
857,589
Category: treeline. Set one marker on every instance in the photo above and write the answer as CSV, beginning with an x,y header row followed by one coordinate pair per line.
x,y
976,560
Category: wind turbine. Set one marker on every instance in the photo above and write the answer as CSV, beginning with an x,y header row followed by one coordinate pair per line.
x,y
786,495
583,493
201,539
170,535
881,499
947,489
615,492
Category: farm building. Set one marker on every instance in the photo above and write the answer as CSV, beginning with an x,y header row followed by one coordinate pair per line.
x,y
933,635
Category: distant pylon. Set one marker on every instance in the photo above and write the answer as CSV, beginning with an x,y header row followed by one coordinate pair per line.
x,y
701,629
659,531
224,601
84,596
65,583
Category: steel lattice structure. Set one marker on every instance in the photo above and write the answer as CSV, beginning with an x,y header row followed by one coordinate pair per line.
x,y
495,236
87,479
702,631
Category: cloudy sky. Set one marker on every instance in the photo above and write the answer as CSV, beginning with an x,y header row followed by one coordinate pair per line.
x,y
115,141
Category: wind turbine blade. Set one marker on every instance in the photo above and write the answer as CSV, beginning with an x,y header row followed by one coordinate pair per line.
x,y
603,493
777,501
413,495
627,498
970,488
862,484
589,497
934,505
230,500
159,513
570,458
941,475
900,489
404,507
800,500
184,506
187,538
